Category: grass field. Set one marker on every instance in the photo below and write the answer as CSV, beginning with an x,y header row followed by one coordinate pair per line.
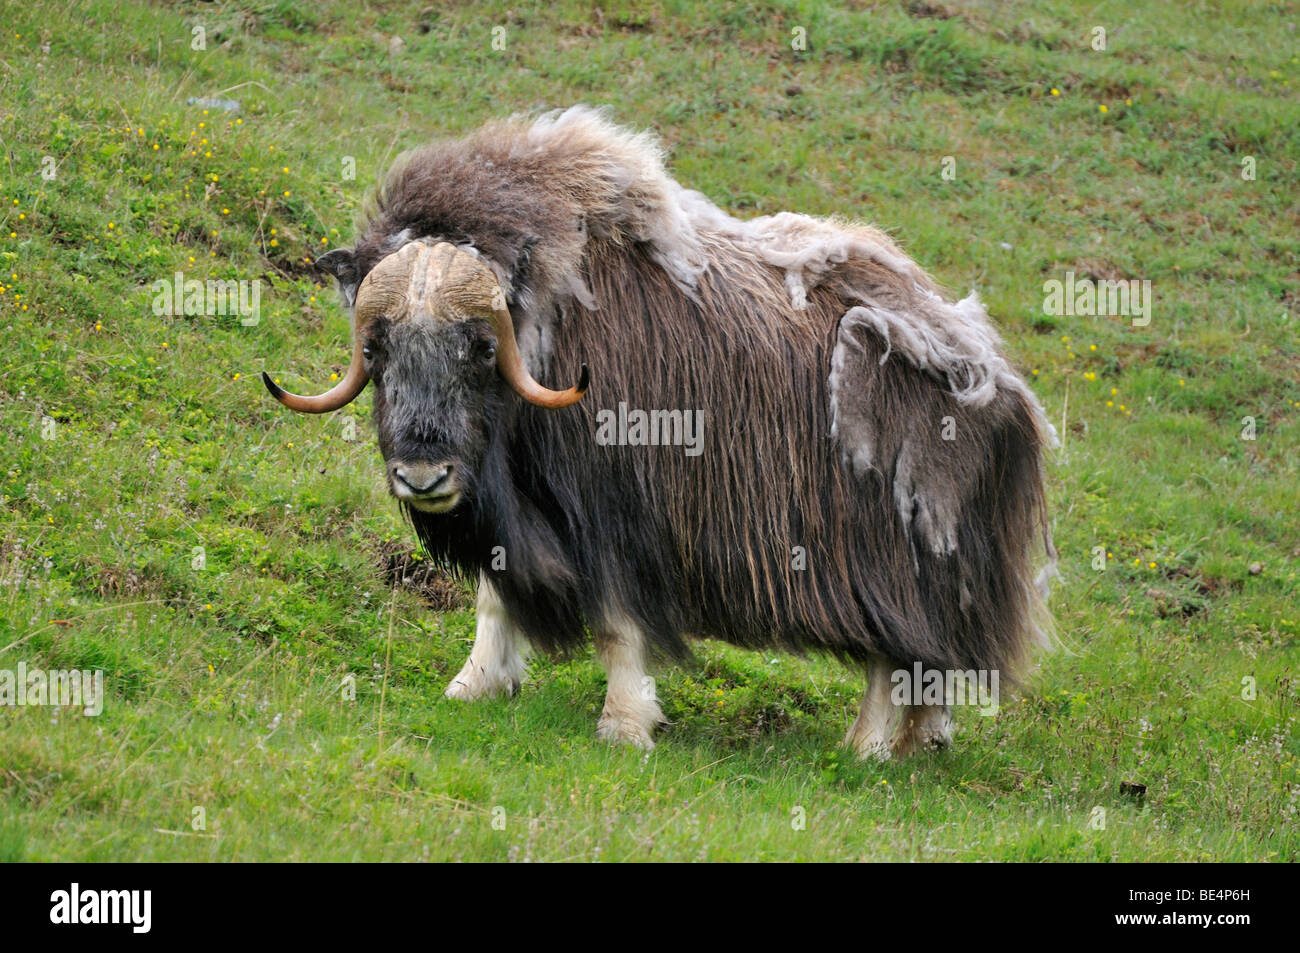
x,y
228,564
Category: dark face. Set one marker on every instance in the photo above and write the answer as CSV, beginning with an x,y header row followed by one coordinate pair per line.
x,y
424,323
430,320
436,389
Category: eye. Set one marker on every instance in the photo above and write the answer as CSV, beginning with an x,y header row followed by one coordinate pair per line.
x,y
486,350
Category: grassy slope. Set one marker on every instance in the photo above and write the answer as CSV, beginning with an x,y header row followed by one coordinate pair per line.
x,y
224,681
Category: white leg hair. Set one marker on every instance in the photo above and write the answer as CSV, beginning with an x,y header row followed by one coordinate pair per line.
x,y
871,733
631,707
500,655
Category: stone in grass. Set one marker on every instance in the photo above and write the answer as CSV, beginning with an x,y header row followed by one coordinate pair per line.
x,y
207,102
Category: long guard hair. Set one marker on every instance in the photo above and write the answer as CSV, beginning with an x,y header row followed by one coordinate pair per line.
x,y
872,476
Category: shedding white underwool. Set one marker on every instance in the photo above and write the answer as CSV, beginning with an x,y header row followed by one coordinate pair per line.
x,y
953,341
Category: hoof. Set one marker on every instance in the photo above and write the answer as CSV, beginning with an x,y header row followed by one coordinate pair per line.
x,y
926,729
475,682
634,728
869,747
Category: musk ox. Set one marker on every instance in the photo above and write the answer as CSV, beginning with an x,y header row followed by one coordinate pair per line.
x,y
868,475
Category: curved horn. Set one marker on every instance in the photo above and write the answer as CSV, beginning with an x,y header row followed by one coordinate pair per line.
x,y
342,393
511,366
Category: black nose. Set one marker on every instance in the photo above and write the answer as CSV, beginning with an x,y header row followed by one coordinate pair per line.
x,y
423,477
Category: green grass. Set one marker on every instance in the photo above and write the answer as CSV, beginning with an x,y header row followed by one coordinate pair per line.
x,y
224,682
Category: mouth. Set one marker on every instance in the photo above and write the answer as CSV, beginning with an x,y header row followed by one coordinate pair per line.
x,y
442,503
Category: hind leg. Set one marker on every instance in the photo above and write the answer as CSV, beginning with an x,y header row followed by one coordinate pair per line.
x,y
885,729
923,728
871,733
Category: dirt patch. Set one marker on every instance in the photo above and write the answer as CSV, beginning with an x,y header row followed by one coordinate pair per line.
x,y
401,566
1207,586
1098,269
932,11
1166,603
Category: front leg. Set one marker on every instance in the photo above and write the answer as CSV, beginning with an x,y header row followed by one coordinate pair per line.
x,y
631,711
500,655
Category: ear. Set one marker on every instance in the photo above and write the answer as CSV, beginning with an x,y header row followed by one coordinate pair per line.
x,y
341,263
